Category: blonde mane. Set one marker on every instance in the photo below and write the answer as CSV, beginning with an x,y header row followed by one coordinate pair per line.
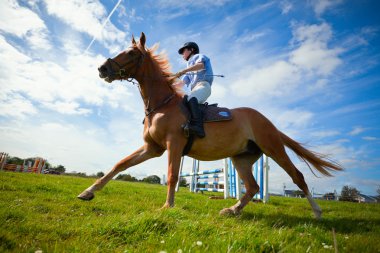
x,y
161,59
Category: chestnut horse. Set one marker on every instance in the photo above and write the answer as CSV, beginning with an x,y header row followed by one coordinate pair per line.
x,y
244,138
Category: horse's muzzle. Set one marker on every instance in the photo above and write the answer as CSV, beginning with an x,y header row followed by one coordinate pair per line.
x,y
103,71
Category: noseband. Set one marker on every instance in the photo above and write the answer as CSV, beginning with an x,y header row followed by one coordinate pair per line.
x,y
122,73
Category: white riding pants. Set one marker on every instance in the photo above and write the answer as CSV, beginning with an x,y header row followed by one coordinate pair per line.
x,y
201,91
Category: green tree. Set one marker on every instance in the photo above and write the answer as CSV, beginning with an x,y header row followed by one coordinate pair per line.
x,y
152,180
183,182
126,177
349,194
15,160
59,169
100,174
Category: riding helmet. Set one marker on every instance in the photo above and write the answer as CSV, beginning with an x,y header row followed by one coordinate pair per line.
x,y
190,45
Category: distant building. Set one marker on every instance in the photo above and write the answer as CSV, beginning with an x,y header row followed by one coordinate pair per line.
x,y
362,198
294,193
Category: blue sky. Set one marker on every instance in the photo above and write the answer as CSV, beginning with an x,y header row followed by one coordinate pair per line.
x,y
312,67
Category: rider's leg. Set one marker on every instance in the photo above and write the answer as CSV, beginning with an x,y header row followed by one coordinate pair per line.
x,y
198,95
196,122
201,91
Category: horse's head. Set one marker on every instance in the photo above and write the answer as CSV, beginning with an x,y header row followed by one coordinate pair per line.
x,y
126,64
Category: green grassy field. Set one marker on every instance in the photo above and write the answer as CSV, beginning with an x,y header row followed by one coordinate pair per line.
x,y
41,213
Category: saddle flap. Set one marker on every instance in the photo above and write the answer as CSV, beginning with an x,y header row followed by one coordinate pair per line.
x,y
213,113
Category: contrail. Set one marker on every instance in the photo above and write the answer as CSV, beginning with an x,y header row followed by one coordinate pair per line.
x,y
104,23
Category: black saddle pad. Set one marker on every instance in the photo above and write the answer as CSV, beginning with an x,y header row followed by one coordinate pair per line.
x,y
213,113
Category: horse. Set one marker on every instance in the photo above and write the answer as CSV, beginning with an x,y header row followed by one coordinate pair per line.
x,y
244,138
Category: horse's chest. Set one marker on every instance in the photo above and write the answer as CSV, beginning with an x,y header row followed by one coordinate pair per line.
x,y
161,124
157,127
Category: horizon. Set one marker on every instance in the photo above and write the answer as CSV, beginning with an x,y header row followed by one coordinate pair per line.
x,y
312,68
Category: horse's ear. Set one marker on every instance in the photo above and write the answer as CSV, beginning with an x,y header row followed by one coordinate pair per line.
x,y
133,40
142,40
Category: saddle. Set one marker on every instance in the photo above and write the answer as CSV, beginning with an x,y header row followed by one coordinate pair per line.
x,y
213,113
210,112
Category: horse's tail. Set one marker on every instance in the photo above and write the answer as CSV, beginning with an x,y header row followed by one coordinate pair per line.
x,y
318,161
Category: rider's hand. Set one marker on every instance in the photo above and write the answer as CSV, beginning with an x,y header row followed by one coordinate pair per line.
x,y
179,74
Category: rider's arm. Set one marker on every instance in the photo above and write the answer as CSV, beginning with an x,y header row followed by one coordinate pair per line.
x,y
195,67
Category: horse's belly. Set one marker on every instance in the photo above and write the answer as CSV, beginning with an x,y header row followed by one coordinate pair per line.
x,y
218,145
225,139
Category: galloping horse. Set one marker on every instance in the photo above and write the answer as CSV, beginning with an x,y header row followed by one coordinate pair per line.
x,y
244,138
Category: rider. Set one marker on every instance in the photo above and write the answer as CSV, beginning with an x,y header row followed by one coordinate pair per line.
x,y
198,77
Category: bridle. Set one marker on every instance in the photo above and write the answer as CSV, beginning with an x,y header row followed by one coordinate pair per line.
x,y
122,72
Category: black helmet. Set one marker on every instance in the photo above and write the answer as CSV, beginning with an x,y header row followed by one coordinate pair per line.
x,y
190,45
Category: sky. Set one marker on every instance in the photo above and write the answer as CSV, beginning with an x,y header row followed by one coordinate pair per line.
x,y
312,67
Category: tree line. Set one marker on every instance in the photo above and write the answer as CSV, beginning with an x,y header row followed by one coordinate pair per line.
x,y
61,170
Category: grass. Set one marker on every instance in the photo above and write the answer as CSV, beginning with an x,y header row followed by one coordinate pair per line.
x,y
41,212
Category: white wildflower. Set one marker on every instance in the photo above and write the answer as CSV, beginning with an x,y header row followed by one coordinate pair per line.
x,y
199,243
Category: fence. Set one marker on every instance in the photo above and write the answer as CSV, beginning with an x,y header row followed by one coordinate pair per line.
x,y
37,166
226,179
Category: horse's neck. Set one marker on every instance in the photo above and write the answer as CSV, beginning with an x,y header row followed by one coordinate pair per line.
x,y
153,87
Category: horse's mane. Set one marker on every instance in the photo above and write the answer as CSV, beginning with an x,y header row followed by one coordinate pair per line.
x,y
161,59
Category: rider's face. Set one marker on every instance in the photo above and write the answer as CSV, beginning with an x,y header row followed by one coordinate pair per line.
x,y
186,53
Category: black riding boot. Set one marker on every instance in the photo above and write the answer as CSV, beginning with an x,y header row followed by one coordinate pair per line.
x,y
196,122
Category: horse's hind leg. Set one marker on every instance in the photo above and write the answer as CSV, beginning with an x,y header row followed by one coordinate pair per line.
x,y
297,177
243,164
274,148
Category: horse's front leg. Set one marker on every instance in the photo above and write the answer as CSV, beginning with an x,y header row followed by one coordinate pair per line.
x,y
174,160
142,154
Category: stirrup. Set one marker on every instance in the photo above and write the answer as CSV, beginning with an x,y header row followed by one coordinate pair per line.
x,y
186,129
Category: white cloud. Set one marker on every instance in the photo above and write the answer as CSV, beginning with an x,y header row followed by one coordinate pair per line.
x,y
274,80
23,23
316,57
250,37
370,138
357,130
187,3
295,119
72,108
87,17
311,59
16,106
321,6
218,92
286,7
66,89
326,133
313,53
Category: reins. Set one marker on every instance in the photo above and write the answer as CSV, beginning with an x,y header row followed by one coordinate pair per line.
x,y
166,100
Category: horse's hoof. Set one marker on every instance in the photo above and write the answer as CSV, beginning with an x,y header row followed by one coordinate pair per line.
x,y
229,212
166,206
86,195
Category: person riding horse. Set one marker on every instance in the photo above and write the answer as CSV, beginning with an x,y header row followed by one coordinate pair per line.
x,y
197,78
244,138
